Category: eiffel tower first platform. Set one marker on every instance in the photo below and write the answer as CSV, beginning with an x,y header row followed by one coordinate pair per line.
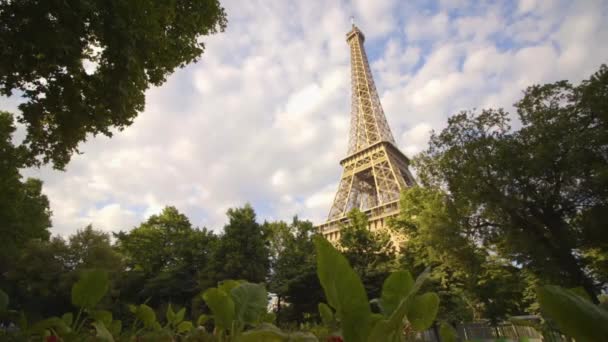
x,y
375,170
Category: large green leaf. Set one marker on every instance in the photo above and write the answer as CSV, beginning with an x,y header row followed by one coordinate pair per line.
x,y
179,316
422,311
147,316
228,285
344,291
327,316
90,288
383,330
301,336
574,315
221,305
170,314
270,333
184,326
102,333
447,333
103,316
395,288
392,328
250,302
264,333
67,318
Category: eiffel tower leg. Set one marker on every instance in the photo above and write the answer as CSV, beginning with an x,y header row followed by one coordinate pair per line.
x,y
341,200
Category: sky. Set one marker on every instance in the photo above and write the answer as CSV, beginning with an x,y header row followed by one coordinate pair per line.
x,y
263,116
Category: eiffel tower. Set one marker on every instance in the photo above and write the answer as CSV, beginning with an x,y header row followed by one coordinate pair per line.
x,y
374,171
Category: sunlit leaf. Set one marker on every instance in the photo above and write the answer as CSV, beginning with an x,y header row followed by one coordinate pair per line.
x,y
250,302
184,327
447,333
574,315
395,288
422,311
343,290
102,332
221,305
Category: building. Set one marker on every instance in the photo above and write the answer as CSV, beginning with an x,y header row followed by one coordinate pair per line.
x,y
375,171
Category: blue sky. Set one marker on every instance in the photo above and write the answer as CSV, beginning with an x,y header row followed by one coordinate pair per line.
x,y
263,116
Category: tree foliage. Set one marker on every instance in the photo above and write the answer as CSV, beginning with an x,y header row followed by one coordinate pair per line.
x,y
168,259
83,67
370,253
24,210
293,274
538,194
471,281
242,251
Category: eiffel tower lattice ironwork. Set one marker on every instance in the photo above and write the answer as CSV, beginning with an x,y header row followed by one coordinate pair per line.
x,y
374,171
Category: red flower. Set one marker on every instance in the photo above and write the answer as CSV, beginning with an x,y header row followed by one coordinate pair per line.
x,y
335,339
52,338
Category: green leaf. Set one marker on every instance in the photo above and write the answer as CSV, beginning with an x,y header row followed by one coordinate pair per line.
x,y
170,314
574,315
395,288
116,327
343,290
327,316
3,301
228,285
264,333
202,319
422,311
146,315
184,327
250,302
447,333
179,316
221,305
383,330
301,336
103,316
579,291
67,318
102,332
54,323
392,328
90,289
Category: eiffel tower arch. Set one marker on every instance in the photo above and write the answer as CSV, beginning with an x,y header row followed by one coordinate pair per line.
x,y
374,171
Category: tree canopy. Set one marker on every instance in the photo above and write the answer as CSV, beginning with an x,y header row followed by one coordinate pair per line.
x,y
83,67
538,194
24,209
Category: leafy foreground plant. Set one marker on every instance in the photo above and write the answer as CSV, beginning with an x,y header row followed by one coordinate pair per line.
x,y
403,315
98,325
240,311
574,313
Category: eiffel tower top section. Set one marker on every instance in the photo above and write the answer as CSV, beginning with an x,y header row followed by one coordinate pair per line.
x,y
368,124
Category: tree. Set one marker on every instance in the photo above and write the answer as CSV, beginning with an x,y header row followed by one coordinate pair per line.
x,y
24,210
293,275
242,250
83,67
92,249
370,253
168,259
539,194
471,282
40,279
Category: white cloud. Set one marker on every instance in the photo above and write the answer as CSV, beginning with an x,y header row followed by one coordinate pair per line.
x,y
263,117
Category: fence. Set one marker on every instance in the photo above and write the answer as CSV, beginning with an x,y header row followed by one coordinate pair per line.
x,y
483,332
